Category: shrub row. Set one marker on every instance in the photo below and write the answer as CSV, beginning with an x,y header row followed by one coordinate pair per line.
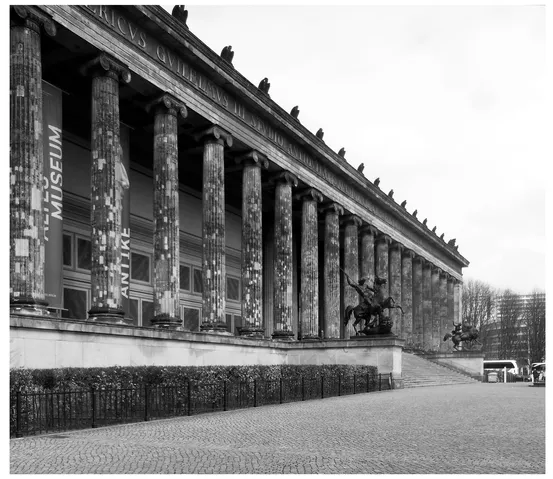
x,y
68,379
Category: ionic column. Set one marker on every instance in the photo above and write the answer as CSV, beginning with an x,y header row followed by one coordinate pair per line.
x,y
213,229
166,212
26,161
332,316
368,234
309,307
443,311
106,192
417,302
457,297
394,275
252,245
450,307
436,309
381,266
427,305
283,264
351,265
407,296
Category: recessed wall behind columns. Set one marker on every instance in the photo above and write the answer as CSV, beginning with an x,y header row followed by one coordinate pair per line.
x,y
48,343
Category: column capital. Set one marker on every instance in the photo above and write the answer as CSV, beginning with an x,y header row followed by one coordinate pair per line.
x,y
332,208
106,64
383,238
396,245
444,274
285,177
419,258
408,253
368,229
167,103
309,194
436,269
35,18
253,157
351,219
214,134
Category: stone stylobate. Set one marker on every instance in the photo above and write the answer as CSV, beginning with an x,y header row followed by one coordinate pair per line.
x,y
166,211
213,230
106,187
309,308
26,161
252,244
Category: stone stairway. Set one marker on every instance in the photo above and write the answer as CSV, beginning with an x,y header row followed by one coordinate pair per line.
x,y
418,372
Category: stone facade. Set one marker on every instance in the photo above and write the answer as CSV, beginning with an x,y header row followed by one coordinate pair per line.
x,y
213,148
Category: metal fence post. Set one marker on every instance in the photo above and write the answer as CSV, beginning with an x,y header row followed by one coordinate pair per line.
x,y
354,376
368,389
380,381
339,385
18,414
224,395
189,399
255,393
93,405
391,381
146,402
302,388
322,387
280,392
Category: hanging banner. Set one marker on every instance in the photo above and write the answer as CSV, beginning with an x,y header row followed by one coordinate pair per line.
x,y
53,195
125,166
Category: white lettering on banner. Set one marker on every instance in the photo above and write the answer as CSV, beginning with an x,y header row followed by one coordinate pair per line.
x,y
125,253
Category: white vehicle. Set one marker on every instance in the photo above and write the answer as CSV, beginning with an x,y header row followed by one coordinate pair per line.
x,y
500,364
539,369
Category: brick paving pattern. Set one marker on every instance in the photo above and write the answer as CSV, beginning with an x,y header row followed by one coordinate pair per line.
x,y
465,429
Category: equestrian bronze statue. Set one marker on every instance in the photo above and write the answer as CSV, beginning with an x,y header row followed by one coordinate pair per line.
x,y
463,333
371,308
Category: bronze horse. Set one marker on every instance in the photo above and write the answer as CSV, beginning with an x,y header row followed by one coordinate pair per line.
x,y
362,312
468,336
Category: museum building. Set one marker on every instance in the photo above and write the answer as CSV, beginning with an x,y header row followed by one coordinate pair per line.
x,y
156,193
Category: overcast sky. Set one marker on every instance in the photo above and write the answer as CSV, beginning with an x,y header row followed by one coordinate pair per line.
x,y
445,104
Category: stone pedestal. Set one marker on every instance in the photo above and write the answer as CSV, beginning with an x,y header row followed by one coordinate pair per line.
x,y
252,245
283,264
309,307
213,230
166,212
26,162
331,281
351,224
106,188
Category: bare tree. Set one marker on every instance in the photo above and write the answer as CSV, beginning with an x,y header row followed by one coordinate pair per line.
x,y
510,309
478,306
534,317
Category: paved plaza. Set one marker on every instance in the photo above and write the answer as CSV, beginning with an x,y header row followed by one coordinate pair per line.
x,y
468,429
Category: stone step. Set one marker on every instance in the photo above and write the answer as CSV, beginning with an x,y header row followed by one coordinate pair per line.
x,y
420,372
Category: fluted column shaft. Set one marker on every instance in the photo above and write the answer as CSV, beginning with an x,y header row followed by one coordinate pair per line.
x,y
252,245
457,294
351,265
166,213
106,189
450,308
309,280
417,302
26,162
213,230
407,296
443,312
367,265
283,264
436,309
394,275
332,316
381,266
427,306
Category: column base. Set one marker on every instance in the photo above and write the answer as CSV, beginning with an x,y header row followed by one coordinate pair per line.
x,y
164,321
283,336
107,315
28,306
311,338
251,332
215,328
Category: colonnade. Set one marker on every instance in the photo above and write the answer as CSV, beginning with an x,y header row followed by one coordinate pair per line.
x,y
428,295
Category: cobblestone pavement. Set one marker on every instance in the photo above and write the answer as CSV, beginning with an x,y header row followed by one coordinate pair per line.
x,y
468,429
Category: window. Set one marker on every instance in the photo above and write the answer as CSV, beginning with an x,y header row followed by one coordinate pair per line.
x,y
184,277
75,301
198,287
190,319
233,288
140,267
84,254
68,250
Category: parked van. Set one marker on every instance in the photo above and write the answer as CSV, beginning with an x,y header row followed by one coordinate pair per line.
x,y
499,365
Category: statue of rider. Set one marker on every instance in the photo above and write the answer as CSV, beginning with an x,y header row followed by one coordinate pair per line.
x,y
367,294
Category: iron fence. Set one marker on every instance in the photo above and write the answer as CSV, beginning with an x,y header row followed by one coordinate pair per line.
x,y
46,412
